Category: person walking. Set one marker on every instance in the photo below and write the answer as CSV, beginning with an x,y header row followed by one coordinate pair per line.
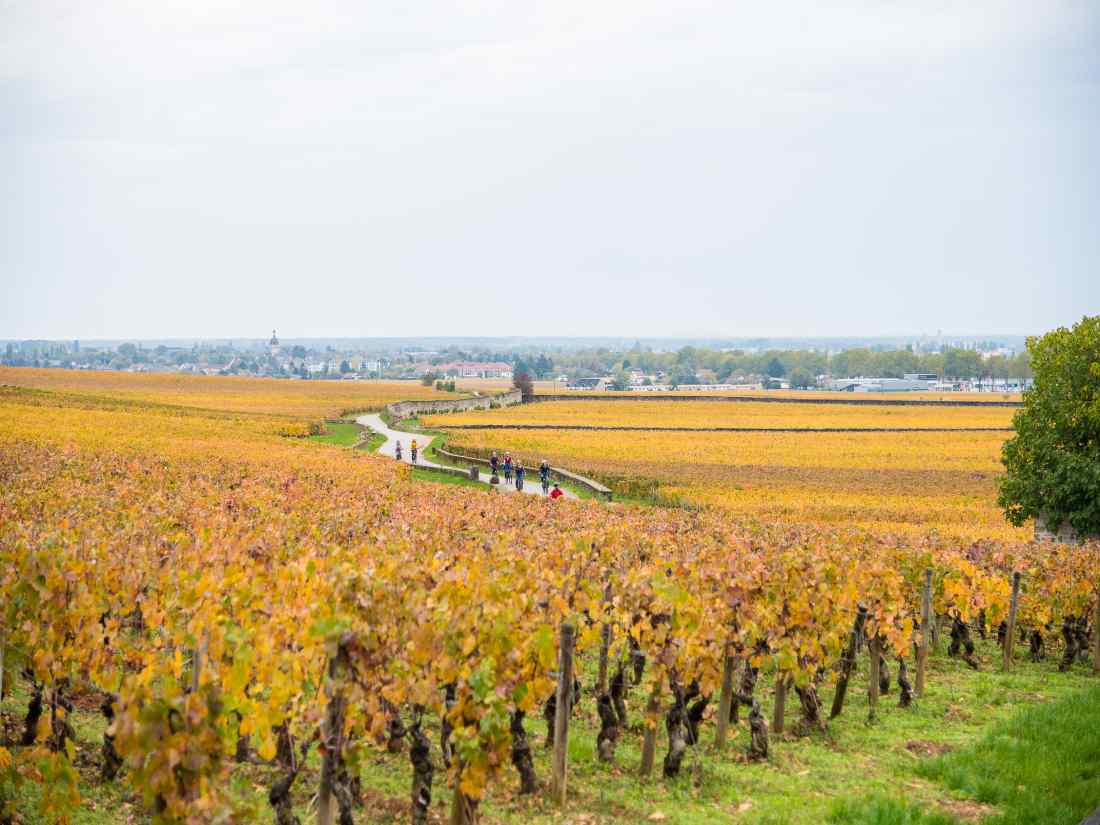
x,y
520,472
494,463
507,468
556,492
544,476
412,450
397,451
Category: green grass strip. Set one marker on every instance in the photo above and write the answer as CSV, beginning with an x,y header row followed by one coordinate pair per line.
x,y
882,811
429,474
342,434
1040,767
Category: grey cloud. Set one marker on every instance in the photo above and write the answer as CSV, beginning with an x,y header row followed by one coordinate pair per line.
x,y
176,168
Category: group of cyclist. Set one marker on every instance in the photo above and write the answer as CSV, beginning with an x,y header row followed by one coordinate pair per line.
x,y
512,470
413,450
515,469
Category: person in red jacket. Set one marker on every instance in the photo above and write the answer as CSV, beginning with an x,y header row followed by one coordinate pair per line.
x,y
556,492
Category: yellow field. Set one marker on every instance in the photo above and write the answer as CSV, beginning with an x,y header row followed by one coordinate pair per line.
x,y
549,388
269,396
886,481
704,413
895,481
193,564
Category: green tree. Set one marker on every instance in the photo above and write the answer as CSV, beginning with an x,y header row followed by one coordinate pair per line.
x,y
852,362
543,366
1020,366
1053,461
683,374
620,381
895,363
801,379
775,368
687,356
962,363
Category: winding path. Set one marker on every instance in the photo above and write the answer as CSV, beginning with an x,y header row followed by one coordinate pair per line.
x,y
375,423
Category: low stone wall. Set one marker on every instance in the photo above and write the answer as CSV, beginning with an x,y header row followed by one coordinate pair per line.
x,y
410,409
555,472
1065,534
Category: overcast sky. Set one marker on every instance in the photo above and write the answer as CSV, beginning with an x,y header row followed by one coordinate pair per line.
x,y
575,167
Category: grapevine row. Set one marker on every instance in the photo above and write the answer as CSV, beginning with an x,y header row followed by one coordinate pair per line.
x,y
238,608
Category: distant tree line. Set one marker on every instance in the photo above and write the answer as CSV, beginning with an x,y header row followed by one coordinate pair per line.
x,y
690,365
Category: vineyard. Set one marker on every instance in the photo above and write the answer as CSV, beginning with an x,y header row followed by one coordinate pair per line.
x,y
263,622
548,388
257,396
896,481
706,414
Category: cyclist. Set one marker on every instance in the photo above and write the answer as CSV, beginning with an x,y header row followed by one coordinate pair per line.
x,y
544,476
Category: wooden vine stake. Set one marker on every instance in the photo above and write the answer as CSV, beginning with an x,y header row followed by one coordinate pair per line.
x,y
649,741
726,698
1010,629
875,648
780,708
564,705
2,641
332,735
925,631
463,809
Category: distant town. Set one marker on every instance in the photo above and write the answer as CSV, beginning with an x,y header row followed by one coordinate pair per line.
x,y
881,366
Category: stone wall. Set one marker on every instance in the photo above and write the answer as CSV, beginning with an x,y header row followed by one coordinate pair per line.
x,y
411,409
1065,534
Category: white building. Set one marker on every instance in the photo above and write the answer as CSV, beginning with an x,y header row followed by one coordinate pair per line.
x,y
477,369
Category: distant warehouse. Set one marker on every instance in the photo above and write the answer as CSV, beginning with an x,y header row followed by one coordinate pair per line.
x,y
915,382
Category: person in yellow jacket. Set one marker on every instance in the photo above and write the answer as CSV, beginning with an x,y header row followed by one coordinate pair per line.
x,y
413,450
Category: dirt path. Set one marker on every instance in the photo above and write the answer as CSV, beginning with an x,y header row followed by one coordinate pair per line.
x,y
374,422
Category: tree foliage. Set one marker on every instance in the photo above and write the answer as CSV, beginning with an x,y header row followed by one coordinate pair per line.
x,y
1053,462
522,382
801,379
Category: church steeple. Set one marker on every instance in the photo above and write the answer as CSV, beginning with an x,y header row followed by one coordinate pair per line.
x,y
273,344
